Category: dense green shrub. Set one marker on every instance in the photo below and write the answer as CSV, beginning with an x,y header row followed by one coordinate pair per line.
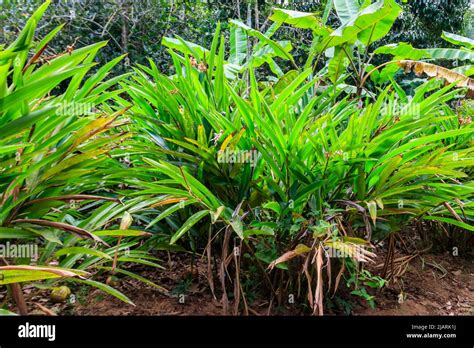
x,y
284,168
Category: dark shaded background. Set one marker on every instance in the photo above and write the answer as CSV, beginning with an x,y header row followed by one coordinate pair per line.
x,y
137,27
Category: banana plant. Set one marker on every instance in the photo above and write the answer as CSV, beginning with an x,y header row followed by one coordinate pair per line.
x,y
242,55
464,53
421,62
348,45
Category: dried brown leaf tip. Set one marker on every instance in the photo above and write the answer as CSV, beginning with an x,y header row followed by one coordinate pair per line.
x,y
299,250
438,72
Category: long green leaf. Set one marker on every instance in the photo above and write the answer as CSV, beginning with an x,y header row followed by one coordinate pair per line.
x,y
193,219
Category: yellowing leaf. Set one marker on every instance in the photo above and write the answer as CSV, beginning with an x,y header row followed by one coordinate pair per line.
x,y
126,221
168,201
372,206
18,274
215,215
299,250
226,142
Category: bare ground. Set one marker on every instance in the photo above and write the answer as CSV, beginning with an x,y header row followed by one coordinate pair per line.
x,y
430,284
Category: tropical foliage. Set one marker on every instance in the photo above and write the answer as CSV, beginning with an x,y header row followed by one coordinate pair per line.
x,y
56,150
136,28
269,171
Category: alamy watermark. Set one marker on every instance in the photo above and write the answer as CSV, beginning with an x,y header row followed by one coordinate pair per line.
x,y
74,109
239,156
354,251
393,108
11,250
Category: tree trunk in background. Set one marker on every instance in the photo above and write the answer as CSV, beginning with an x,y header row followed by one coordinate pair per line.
x,y
249,41
124,35
257,13
238,9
